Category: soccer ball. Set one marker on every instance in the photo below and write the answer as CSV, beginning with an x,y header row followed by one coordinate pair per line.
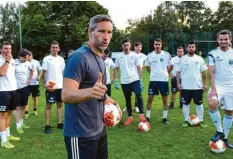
x,y
218,146
194,120
112,115
144,126
51,84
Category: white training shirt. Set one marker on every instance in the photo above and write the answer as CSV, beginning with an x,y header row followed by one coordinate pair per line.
x,y
54,67
36,68
175,62
109,64
21,73
190,68
223,66
158,64
8,81
142,58
128,67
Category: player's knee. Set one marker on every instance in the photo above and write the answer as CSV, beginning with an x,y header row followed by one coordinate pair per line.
x,y
213,104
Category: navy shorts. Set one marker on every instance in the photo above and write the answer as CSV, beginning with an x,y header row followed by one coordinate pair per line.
x,y
174,85
109,90
54,96
131,87
34,90
188,95
7,101
22,96
84,148
156,87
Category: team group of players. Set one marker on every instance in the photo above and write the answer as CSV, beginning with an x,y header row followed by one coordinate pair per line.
x,y
20,77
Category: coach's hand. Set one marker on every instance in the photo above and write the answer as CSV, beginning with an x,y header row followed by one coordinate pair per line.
x,y
179,87
98,91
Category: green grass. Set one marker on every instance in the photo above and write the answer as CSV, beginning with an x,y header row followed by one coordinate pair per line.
x,y
161,142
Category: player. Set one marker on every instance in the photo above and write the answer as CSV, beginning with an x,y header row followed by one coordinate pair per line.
x,y
131,79
53,67
192,74
159,65
174,90
220,66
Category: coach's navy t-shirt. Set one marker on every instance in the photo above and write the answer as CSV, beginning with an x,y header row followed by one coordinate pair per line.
x,y
84,119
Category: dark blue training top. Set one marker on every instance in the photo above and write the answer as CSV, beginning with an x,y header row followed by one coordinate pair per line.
x,y
84,119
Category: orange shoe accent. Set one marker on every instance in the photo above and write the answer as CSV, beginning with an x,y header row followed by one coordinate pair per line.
x,y
142,118
129,121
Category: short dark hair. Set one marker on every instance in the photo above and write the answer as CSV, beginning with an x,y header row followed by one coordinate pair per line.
x,y
23,53
191,43
54,42
97,19
137,43
180,47
224,32
6,43
158,40
125,41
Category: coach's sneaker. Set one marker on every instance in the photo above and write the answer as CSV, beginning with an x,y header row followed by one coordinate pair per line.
x,y
7,145
136,110
35,113
142,118
171,106
186,124
26,116
129,121
13,138
25,126
203,125
165,121
20,130
60,125
217,136
228,145
47,129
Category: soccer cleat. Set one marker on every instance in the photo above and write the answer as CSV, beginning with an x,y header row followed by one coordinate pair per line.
x,y
124,109
165,121
136,110
13,138
203,125
142,118
129,121
186,124
60,125
7,145
148,119
47,129
217,136
35,113
26,116
20,130
228,145
171,107
25,126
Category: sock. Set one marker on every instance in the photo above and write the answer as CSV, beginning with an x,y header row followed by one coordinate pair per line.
x,y
26,112
148,113
8,132
216,118
35,109
165,113
3,136
21,121
227,123
18,125
200,112
181,103
172,104
186,112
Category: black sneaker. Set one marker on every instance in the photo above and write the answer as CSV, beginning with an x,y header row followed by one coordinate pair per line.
x,y
217,136
228,145
165,121
60,125
171,107
148,119
47,129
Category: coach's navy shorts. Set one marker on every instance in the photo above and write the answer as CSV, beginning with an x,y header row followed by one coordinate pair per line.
x,y
22,96
7,101
158,86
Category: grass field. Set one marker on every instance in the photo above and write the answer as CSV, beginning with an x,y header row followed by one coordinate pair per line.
x,y
162,142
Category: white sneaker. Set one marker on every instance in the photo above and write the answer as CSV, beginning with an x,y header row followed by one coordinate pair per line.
x,y
124,109
136,110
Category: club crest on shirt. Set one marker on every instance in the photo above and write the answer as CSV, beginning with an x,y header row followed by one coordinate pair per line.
x,y
161,60
196,62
